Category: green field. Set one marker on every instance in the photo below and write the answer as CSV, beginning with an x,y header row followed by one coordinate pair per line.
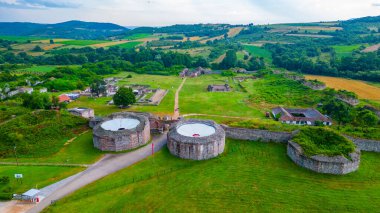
x,y
39,134
33,177
129,45
259,52
78,151
194,98
274,90
345,50
21,39
37,69
248,177
138,36
82,42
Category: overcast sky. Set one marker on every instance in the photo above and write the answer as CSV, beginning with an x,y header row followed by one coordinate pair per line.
x,y
168,12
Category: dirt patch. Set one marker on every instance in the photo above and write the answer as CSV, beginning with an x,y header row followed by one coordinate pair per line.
x,y
51,46
373,48
16,206
220,58
108,44
234,31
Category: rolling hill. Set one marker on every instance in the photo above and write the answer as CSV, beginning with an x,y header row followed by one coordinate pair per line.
x,y
69,29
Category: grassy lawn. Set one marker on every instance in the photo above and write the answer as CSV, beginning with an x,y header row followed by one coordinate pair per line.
x,y
259,52
82,42
129,45
194,98
78,151
33,177
248,177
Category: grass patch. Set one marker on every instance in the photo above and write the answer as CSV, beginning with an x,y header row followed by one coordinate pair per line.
x,y
259,52
6,112
82,42
322,141
248,177
36,69
194,98
78,151
39,134
129,45
33,177
138,36
21,39
275,90
346,50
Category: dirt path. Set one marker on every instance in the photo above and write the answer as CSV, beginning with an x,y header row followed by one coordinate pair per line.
x,y
109,164
176,101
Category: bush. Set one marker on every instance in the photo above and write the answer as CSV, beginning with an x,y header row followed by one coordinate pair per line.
x,y
323,141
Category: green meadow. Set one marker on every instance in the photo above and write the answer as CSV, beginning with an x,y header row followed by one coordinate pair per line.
x,y
248,177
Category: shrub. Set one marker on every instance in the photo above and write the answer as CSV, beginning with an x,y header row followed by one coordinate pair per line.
x,y
323,141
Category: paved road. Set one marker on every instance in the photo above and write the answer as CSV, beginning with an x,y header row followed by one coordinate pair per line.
x,y
108,165
176,101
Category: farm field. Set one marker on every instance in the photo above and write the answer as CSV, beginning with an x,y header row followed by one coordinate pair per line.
x,y
248,177
82,42
138,36
259,52
21,38
372,48
33,177
201,51
129,45
345,50
362,89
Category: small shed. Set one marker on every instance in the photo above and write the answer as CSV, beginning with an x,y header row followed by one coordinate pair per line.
x,y
31,195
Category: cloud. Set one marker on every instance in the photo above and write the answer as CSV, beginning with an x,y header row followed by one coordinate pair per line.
x,y
36,4
168,12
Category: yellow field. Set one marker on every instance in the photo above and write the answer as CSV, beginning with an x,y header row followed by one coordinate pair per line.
x,y
362,89
51,46
234,31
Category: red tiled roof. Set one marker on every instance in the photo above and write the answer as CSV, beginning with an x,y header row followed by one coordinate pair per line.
x,y
64,98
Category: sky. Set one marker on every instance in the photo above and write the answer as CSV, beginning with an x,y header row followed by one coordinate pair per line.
x,y
169,12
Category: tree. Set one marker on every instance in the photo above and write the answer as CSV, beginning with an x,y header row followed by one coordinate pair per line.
x,y
98,87
51,41
37,49
124,97
36,100
367,118
229,61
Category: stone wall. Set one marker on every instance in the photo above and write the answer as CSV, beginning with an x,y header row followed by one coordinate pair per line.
x,y
365,144
337,165
257,135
